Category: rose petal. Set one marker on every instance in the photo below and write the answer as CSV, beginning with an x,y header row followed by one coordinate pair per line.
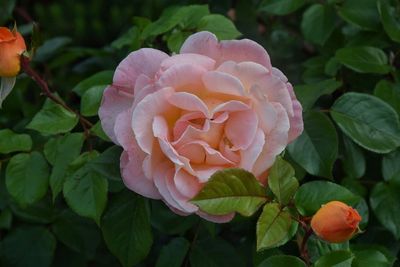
x,y
113,103
132,174
192,59
241,128
188,101
220,82
144,61
296,121
203,43
188,185
216,218
250,155
144,113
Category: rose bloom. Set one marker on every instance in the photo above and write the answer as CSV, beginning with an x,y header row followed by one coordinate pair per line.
x,y
181,118
12,45
335,222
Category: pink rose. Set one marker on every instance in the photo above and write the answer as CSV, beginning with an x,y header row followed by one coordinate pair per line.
x,y
181,118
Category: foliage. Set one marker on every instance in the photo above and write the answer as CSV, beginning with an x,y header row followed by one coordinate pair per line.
x,y
62,199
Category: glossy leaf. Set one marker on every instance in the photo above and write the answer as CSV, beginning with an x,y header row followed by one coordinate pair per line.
x,y
281,181
364,59
390,93
362,14
273,226
338,258
27,177
86,192
231,190
100,78
316,148
91,100
60,152
132,244
385,203
390,19
13,142
53,119
391,166
359,116
221,26
173,254
353,159
318,23
312,195
308,94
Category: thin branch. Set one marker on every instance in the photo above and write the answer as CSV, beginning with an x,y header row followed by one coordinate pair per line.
x,y
46,91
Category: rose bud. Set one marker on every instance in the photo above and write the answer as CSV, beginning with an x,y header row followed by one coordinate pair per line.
x,y
12,45
335,222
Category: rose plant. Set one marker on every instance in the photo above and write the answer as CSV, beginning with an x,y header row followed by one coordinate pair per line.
x,y
183,142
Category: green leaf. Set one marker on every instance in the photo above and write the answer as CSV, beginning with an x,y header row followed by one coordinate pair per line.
x,y
60,152
316,148
77,233
273,226
91,100
126,228
101,78
99,132
318,23
53,119
353,159
362,14
364,59
281,181
175,40
308,94
50,48
130,39
187,17
107,163
318,248
215,253
221,26
335,259
231,190
390,93
12,142
370,257
173,254
281,7
27,178
368,121
391,166
385,203
390,19
42,211
312,195
86,192
282,261
28,247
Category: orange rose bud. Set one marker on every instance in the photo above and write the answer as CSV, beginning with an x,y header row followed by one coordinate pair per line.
x,y
12,45
335,222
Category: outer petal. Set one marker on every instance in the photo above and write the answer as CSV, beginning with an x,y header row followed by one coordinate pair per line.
x,y
203,43
275,142
144,61
132,174
192,59
296,121
114,102
216,218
